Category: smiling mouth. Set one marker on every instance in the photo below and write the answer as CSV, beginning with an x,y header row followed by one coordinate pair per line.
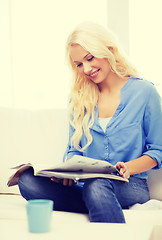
x,y
94,74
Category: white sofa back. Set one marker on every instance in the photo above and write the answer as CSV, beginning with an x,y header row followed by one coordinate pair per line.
x,y
30,136
41,136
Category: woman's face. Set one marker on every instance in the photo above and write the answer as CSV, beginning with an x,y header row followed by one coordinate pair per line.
x,y
96,69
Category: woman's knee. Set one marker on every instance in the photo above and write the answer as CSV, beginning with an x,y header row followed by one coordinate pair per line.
x,y
96,189
26,177
101,201
31,186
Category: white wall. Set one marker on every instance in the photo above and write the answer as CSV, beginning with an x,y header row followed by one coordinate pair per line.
x,y
118,21
146,39
33,74
6,91
34,33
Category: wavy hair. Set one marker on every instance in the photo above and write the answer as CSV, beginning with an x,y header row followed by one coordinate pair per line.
x,y
98,41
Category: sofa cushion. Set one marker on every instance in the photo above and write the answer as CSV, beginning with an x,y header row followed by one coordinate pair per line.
x,y
38,136
155,184
14,207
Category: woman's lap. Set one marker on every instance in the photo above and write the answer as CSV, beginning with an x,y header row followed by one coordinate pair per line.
x,y
65,198
105,198
80,198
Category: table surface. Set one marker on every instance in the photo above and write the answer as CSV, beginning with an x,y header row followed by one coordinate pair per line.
x,y
18,229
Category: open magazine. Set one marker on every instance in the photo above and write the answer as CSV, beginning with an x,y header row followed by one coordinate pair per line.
x,y
77,168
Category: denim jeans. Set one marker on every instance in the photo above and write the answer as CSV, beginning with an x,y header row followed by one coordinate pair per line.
x,y
102,198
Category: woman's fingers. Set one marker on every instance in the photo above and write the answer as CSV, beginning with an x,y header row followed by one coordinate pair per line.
x,y
65,181
123,170
68,182
57,180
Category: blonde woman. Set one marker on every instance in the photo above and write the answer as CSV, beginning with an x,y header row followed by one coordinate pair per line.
x,y
114,116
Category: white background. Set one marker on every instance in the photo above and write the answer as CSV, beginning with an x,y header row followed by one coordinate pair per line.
x,y
33,72
145,31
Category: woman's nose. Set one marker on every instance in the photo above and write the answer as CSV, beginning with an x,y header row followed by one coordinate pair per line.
x,y
87,68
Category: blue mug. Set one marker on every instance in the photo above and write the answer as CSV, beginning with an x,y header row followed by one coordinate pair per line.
x,y
39,212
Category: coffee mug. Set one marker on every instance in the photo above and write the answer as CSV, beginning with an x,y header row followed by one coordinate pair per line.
x,y
39,212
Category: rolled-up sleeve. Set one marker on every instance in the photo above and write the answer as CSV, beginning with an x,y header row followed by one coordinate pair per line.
x,y
153,127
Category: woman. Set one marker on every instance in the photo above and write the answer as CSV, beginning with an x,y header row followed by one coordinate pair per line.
x,y
114,116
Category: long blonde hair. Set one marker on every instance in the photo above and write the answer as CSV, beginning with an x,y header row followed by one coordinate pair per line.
x,y
84,93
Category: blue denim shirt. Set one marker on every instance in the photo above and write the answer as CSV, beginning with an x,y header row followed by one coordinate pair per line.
x,y
134,130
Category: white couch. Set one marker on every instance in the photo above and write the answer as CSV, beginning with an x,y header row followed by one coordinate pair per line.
x,y
41,136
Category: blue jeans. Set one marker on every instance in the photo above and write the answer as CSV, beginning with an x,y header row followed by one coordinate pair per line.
x,y
102,198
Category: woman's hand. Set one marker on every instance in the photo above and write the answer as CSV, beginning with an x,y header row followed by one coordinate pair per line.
x,y
65,181
135,166
123,169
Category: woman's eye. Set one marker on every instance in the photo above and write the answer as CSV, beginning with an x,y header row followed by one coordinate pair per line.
x,y
90,59
79,65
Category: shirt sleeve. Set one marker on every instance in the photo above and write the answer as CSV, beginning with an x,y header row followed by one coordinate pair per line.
x,y
70,150
153,127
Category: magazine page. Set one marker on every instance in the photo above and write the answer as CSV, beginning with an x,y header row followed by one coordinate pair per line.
x,y
76,176
77,164
13,180
85,164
